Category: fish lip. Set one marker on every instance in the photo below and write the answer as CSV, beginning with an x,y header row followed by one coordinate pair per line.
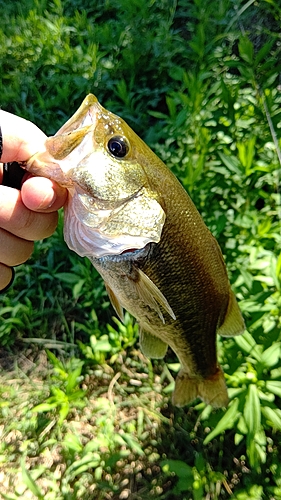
x,y
51,169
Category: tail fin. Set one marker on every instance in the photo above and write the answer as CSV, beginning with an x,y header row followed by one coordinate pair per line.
x,y
211,390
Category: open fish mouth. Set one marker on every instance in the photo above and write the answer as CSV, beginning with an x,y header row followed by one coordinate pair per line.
x,y
111,208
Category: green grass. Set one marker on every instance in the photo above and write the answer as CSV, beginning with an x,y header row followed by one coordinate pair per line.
x,y
200,82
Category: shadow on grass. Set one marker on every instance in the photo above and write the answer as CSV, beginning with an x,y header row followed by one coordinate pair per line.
x,y
122,440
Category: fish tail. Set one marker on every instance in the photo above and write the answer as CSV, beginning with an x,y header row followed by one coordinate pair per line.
x,y
211,390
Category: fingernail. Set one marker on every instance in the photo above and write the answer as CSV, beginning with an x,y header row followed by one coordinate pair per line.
x,y
53,200
10,282
48,201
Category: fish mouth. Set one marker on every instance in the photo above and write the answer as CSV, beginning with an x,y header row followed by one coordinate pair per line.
x,y
63,150
110,210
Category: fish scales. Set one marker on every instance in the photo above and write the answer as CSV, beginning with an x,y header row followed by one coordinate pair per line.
x,y
132,218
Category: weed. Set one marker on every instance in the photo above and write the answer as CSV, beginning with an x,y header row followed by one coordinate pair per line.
x,y
200,83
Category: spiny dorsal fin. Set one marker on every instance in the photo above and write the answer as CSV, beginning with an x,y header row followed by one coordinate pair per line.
x,y
233,322
115,302
152,346
152,296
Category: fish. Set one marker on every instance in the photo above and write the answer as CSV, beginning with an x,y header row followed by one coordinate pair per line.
x,y
130,215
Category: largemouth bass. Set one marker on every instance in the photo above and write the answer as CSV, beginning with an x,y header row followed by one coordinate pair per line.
x,y
132,218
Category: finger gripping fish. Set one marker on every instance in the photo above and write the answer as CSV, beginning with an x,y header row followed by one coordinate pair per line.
x,y
131,217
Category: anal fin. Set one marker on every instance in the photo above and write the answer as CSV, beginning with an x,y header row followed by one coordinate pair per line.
x,y
152,346
211,390
115,302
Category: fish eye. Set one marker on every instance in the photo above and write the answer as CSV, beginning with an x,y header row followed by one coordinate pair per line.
x,y
118,146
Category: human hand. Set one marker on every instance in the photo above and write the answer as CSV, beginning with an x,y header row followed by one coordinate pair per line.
x,y
31,213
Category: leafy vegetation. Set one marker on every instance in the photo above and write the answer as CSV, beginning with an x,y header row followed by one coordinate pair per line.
x,y
200,82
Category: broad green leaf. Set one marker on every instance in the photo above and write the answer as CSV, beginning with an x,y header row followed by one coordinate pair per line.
x,y
246,151
264,228
231,162
179,467
253,452
158,115
177,73
134,445
30,482
271,415
239,13
248,344
59,396
44,407
246,49
69,278
256,449
268,280
265,397
241,425
254,492
278,267
175,367
72,379
76,291
265,49
252,411
63,412
77,396
274,386
101,344
200,463
171,104
54,360
226,422
271,355
99,442
90,461
238,438
72,442
198,489
260,437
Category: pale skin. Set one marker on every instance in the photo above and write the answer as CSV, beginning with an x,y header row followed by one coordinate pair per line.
x,y
31,213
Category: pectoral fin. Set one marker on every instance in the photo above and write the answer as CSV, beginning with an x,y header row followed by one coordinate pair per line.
x,y
115,302
151,295
233,322
152,346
